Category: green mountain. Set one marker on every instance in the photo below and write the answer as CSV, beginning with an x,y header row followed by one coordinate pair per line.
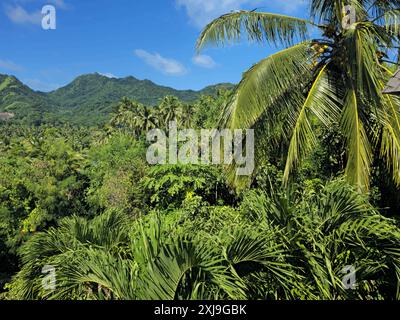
x,y
22,103
95,89
87,100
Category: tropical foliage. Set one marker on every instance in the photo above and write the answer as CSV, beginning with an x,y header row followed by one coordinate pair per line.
x,y
82,210
335,79
261,250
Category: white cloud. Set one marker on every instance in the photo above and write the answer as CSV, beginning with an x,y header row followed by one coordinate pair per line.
x,y
108,75
201,12
40,85
19,15
204,61
158,62
58,3
9,65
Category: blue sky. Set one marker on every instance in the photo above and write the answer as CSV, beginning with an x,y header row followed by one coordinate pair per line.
x,y
149,39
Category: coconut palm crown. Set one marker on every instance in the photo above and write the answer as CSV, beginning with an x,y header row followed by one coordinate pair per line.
x,y
335,79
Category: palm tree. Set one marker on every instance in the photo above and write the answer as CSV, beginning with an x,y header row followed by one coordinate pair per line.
x,y
64,247
127,115
281,245
135,117
169,109
157,112
337,78
334,226
186,114
146,119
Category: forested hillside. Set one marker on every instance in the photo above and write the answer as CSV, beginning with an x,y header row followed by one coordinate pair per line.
x,y
88,100
25,104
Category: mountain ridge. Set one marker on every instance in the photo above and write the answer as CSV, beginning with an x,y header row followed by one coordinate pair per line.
x,y
88,99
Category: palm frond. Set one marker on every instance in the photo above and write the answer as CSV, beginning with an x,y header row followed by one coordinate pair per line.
x,y
259,26
323,103
358,146
265,83
244,253
268,91
96,274
391,21
180,268
390,140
